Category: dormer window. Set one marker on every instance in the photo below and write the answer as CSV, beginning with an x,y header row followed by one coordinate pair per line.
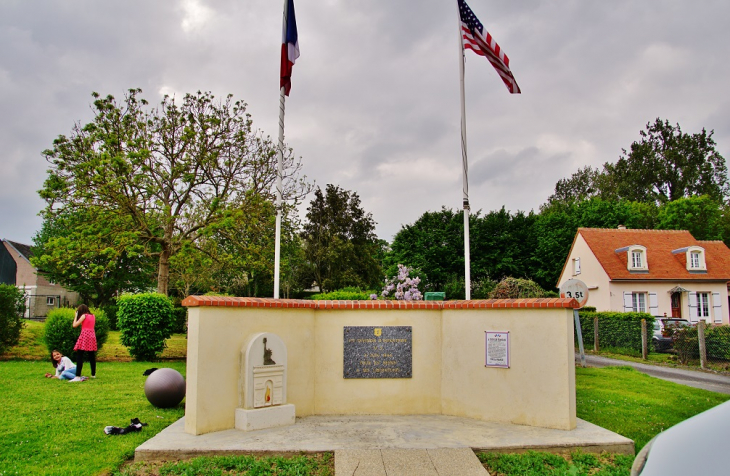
x,y
695,256
636,257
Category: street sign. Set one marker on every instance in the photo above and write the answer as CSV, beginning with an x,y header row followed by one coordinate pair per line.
x,y
575,289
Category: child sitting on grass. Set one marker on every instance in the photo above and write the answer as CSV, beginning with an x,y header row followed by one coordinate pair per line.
x,y
65,369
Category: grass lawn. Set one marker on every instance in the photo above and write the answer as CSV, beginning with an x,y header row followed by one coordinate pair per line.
x,y
53,427
636,405
32,347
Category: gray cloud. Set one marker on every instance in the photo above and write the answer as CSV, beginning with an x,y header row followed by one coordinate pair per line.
x,y
374,106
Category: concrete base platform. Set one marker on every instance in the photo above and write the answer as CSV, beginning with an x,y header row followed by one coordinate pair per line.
x,y
319,433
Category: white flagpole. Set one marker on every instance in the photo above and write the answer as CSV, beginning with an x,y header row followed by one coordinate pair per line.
x,y
465,165
280,171
280,168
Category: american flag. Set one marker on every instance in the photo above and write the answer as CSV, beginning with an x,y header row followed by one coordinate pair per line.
x,y
475,38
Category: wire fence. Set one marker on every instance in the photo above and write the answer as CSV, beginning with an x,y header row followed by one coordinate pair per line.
x,y
701,345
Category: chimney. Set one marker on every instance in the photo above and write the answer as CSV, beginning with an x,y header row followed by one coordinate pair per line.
x,y
621,227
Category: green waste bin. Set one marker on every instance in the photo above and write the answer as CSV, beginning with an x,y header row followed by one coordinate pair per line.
x,y
435,296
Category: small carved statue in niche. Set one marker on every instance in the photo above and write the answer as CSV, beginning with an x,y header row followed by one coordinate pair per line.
x,y
267,355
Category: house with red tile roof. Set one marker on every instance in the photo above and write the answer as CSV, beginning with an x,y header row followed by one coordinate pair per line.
x,y
662,272
41,294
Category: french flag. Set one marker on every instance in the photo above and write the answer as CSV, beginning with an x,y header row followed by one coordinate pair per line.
x,y
289,47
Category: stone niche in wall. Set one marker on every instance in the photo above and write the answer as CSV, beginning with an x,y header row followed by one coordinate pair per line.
x,y
262,384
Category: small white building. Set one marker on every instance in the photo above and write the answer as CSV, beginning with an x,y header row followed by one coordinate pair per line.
x,y
662,272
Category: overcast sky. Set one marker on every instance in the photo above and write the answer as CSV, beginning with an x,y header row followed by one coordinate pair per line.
x,y
374,106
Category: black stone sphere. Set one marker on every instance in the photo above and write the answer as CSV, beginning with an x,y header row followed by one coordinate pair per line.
x,y
165,388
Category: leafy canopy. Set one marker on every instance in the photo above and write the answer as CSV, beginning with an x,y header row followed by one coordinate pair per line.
x,y
664,165
339,240
168,173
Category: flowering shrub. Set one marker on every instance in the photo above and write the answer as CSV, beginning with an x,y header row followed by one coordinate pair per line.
x,y
402,287
344,294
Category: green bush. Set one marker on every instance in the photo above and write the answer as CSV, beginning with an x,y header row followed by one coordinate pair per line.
x,y
517,288
180,316
111,313
686,343
12,308
482,287
616,329
344,294
454,287
145,322
717,342
59,333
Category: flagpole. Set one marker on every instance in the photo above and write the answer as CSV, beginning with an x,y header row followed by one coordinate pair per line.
x,y
464,164
279,173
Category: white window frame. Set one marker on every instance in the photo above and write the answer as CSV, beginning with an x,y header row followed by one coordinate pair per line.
x,y
694,259
703,305
50,300
638,302
636,259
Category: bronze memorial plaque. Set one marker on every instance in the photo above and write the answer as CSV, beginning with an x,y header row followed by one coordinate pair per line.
x,y
378,352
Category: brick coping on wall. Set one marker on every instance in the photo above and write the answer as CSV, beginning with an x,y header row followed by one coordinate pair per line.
x,y
224,301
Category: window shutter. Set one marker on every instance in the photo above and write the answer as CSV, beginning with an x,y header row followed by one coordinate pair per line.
x,y
692,306
653,304
628,305
716,308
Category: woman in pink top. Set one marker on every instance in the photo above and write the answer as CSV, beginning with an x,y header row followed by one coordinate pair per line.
x,y
86,344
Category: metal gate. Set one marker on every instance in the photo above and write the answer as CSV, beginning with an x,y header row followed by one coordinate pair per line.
x,y
37,306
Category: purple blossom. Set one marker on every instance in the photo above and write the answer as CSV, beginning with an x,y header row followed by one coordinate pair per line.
x,y
402,286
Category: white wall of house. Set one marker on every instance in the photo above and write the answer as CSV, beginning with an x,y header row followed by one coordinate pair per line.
x,y
658,299
591,273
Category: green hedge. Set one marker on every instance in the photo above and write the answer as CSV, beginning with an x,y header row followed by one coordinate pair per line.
x,y
145,322
180,318
717,342
111,313
12,308
345,294
59,333
616,329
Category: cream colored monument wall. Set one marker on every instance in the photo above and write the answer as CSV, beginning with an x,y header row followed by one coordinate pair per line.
x,y
335,395
448,367
539,387
216,336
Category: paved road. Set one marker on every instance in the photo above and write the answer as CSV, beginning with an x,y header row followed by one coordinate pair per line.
x,y
692,378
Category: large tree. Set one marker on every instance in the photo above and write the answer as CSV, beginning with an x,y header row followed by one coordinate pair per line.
x,y
556,226
666,164
92,252
339,239
167,173
501,245
701,216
